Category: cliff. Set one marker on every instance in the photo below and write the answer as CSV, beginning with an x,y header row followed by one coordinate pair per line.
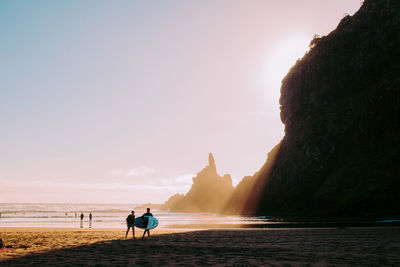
x,y
340,106
209,192
340,154
247,194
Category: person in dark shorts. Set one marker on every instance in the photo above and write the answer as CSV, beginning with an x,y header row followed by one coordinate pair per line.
x,y
130,222
82,216
90,220
146,221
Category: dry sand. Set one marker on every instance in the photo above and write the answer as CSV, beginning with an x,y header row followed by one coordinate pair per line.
x,y
364,246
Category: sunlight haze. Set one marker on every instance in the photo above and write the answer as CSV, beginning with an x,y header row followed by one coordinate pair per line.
x,y
121,101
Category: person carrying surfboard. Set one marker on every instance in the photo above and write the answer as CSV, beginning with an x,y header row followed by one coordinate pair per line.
x,y
130,221
146,221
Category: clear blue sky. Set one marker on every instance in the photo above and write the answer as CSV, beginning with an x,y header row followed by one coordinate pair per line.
x,y
121,101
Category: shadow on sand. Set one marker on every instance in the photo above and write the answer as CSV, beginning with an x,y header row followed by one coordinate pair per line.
x,y
366,246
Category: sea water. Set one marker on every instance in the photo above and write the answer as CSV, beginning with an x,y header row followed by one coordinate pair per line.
x,y
109,216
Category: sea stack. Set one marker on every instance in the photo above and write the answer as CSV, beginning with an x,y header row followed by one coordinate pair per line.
x,y
211,163
209,192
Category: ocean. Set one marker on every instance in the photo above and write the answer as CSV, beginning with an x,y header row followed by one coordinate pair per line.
x,y
110,216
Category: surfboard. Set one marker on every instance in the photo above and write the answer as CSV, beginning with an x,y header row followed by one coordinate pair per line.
x,y
140,223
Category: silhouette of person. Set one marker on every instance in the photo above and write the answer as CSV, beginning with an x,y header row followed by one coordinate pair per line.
x,y
90,220
146,221
130,222
82,219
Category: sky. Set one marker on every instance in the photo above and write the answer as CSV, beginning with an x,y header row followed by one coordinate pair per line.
x,y
121,101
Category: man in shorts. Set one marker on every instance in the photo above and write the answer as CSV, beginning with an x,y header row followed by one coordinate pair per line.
x,y
130,222
146,221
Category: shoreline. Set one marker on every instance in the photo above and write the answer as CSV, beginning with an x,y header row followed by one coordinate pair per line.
x,y
257,225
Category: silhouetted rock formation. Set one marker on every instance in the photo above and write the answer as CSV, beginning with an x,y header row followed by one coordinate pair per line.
x,y
209,192
340,106
211,163
248,192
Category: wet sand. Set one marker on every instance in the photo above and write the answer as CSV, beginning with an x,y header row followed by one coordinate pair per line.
x,y
363,246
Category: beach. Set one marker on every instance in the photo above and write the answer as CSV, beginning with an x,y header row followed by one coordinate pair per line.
x,y
354,246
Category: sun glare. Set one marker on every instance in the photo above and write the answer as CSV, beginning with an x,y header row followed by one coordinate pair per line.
x,y
280,59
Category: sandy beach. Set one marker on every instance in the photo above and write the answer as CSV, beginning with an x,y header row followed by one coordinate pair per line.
x,y
363,246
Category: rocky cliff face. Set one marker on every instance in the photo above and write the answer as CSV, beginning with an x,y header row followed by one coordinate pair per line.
x,y
209,192
341,108
248,193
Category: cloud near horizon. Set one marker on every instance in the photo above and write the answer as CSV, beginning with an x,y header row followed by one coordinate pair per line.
x,y
138,171
121,191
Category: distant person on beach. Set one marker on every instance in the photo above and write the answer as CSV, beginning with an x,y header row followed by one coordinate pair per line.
x,y
146,221
82,219
90,220
130,222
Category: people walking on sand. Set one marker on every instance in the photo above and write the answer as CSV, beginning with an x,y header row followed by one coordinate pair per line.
x,y
146,221
130,223
90,220
82,219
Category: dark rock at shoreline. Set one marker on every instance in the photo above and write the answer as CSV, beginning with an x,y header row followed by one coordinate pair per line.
x,y
341,108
